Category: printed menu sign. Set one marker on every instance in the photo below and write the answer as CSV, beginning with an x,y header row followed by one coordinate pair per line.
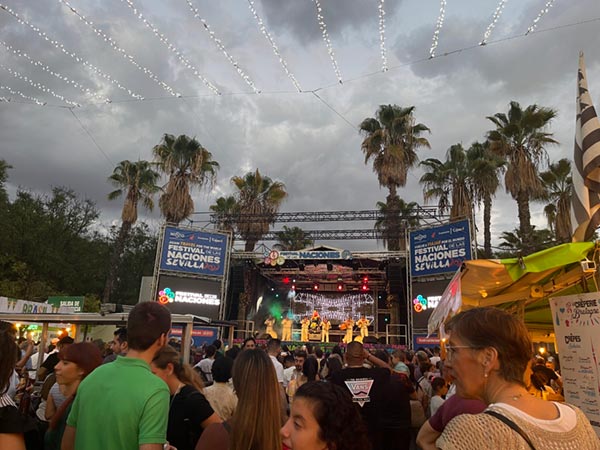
x,y
577,326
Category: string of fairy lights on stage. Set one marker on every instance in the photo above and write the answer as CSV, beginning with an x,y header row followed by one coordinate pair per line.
x,y
70,54
20,94
120,50
492,25
171,47
221,47
541,14
438,28
267,35
384,64
323,28
47,69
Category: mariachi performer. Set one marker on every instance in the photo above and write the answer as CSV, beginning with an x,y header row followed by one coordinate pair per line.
x,y
347,326
286,329
270,323
325,327
363,326
304,329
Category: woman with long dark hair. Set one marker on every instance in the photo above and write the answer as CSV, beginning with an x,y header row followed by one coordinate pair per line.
x,y
257,419
76,361
11,423
323,417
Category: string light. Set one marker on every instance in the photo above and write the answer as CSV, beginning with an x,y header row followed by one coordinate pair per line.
x,y
110,41
495,17
20,94
337,308
438,27
221,47
171,47
4,99
37,85
264,31
72,55
384,66
544,10
323,27
47,69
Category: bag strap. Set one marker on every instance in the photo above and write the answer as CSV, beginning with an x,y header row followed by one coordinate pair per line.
x,y
512,425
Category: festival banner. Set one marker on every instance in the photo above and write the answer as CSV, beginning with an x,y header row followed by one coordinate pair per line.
x,y
577,327
193,252
440,249
16,306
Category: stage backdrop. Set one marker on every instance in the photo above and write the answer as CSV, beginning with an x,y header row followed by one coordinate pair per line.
x,y
336,308
439,249
577,328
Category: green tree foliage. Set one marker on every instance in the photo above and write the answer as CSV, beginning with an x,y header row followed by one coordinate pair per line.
x,y
512,242
397,216
225,208
558,185
292,238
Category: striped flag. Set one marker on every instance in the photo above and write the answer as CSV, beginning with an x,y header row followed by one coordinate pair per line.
x,y
585,199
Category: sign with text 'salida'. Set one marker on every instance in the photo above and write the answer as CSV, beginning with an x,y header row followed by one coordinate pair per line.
x,y
193,252
440,249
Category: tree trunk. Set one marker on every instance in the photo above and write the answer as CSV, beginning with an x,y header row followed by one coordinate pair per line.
x,y
392,225
487,223
250,244
114,260
525,222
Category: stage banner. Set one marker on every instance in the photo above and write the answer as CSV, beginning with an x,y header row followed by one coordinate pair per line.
x,y
439,249
193,252
577,327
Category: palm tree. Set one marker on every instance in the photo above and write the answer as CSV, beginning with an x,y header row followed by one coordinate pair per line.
x,y
187,164
137,180
4,166
225,209
487,168
520,138
396,217
450,182
392,140
558,185
514,245
294,238
258,198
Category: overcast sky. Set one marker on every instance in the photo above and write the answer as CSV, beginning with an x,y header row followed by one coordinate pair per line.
x,y
290,136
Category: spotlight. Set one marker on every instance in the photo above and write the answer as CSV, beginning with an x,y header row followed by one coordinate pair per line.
x,y
315,287
286,280
340,287
365,287
293,287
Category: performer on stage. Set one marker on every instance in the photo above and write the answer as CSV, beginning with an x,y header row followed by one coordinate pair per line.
x,y
363,325
270,322
304,329
348,326
286,329
325,327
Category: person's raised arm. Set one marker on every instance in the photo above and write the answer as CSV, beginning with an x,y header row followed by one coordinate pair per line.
x,y
376,361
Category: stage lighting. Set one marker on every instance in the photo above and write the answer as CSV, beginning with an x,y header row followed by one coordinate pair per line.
x,y
340,287
365,279
286,280
315,287
365,287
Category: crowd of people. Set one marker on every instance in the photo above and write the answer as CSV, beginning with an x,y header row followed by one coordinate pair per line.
x,y
483,390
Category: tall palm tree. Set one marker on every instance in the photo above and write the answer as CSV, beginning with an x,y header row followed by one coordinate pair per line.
x,y
187,164
137,180
520,138
514,245
258,196
397,216
558,185
487,167
392,139
292,238
450,182
225,209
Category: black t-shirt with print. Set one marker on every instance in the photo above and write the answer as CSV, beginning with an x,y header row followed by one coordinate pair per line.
x,y
189,408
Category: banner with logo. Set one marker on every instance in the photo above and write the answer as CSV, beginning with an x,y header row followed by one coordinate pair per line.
x,y
16,306
577,328
72,304
439,249
193,252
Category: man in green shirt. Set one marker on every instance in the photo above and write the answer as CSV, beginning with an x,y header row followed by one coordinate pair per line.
x,y
123,405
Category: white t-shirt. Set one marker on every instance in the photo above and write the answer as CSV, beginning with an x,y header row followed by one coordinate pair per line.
x,y
435,402
566,421
206,367
287,375
278,368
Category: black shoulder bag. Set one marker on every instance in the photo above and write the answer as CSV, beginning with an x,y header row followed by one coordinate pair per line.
x,y
512,425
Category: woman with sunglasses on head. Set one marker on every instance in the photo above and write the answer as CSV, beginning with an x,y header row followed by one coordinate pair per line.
x,y
76,361
487,353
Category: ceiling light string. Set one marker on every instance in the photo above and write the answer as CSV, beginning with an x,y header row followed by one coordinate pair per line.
x,y
47,69
535,22
20,94
171,47
268,36
495,17
221,47
323,27
120,50
438,27
72,55
37,85
384,66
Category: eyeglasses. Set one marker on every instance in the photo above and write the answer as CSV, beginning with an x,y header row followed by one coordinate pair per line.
x,y
451,349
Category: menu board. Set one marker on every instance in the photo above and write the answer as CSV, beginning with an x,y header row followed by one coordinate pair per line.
x,y
577,326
